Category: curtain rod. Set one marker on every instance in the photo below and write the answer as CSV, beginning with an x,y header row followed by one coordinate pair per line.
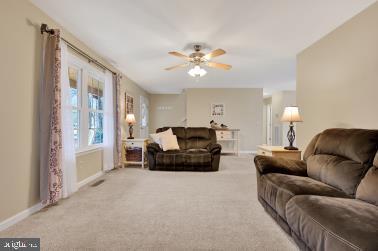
x,y
45,28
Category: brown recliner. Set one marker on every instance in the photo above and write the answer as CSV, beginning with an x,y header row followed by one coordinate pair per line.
x,y
199,151
329,200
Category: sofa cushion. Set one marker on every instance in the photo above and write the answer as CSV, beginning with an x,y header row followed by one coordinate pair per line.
x,y
368,188
342,173
199,157
277,189
359,145
170,158
326,223
197,132
197,137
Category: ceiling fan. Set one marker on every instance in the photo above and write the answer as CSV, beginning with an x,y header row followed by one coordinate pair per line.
x,y
198,59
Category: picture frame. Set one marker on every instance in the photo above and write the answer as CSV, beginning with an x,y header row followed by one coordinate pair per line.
x,y
217,110
129,104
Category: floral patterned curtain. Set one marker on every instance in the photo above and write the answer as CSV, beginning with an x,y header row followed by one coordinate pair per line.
x,y
117,121
50,121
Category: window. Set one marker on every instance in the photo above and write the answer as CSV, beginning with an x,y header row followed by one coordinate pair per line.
x,y
87,88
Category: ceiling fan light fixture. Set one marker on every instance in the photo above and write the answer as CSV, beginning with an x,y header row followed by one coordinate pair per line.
x,y
197,71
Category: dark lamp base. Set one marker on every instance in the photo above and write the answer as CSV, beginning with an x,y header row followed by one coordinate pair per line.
x,y
130,137
290,148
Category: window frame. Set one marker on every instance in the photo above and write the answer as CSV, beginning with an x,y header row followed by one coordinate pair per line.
x,y
85,71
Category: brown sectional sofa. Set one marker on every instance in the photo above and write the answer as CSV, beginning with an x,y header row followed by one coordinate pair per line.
x,y
199,151
328,201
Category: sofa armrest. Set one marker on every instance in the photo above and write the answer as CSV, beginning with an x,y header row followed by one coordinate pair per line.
x,y
153,148
266,164
214,148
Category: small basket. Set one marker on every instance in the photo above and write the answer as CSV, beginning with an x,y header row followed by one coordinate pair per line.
x,y
134,154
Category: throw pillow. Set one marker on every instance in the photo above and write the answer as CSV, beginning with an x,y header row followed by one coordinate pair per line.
x,y
169,142
156,136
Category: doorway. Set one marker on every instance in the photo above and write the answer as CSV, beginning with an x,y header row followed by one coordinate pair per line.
x,y
144,117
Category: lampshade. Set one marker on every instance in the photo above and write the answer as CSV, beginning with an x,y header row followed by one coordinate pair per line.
x,y
197,71
291,114
130,118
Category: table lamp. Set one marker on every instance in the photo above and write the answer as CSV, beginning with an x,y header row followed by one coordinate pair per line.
x,y
130,119
291,114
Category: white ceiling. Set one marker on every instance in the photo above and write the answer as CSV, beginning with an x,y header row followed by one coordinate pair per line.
x,y
261,37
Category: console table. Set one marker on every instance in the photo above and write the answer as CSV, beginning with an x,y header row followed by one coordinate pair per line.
x,y
134,151
227,137
278,151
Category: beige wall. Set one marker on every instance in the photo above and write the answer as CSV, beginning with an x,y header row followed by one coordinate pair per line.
x,y
134,90
244,107
167,110
88,164
20,68
337,78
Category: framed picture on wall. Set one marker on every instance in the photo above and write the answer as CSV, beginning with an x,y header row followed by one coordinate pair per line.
x,y
129,104
217,110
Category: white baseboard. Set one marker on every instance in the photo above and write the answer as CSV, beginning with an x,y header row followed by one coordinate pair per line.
x,y
89,179
249,151
31,210
20,216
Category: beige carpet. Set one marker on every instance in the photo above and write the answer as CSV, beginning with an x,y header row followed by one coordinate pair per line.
x,y
138,209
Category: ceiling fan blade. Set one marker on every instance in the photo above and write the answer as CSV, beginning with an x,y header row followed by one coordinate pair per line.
x,y
213,54
219,65
177,54
176,66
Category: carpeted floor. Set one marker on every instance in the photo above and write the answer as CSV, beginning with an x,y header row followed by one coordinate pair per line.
x,y
138,209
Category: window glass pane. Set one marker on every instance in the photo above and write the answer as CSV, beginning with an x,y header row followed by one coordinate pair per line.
x,y
73,75
101,95
99,129
95,124
92,93
76,127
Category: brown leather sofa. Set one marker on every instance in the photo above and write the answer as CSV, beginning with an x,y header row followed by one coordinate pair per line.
x,y
328,201
199,151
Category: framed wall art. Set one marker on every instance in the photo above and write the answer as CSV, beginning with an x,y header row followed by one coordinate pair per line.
x,y
129,104
217,109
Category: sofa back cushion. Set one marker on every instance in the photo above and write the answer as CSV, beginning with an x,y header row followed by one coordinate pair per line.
x,y
310,149
180,132
359,145
198,137
342,157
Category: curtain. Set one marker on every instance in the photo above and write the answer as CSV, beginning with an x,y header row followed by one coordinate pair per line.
x,y
117,120
109,133
68,144
50,124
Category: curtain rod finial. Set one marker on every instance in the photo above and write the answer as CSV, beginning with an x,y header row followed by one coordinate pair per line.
x,y
45,28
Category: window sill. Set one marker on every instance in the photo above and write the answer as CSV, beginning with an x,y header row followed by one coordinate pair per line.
x,y
89,149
